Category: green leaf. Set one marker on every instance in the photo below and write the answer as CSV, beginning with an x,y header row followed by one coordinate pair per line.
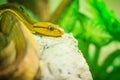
x,y
104,12
69,16
114,29
108,61
109,19
114,75
88,9
94,31
3,1
77,30
98,11
97,33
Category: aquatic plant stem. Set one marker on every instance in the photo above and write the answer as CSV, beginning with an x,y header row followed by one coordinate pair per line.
x,y
59,10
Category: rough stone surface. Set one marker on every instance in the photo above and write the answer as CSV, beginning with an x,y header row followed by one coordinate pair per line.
x,y
62,59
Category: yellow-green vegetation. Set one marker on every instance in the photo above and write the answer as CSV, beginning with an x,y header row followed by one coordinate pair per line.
x,y
95,26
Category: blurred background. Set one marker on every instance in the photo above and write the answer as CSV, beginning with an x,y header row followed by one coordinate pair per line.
x,y
94,23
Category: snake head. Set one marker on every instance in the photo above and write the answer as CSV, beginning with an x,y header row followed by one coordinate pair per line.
x,y
48,29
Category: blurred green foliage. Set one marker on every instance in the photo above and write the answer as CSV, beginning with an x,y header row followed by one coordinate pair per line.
x,y
93,24
3,1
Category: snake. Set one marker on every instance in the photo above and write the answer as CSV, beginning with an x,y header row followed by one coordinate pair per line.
x,y
19,51
43,28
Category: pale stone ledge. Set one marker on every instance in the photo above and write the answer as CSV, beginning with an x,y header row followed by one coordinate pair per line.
x,y
62,59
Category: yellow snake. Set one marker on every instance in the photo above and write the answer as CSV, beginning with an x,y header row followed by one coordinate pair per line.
x,y
44,28
19,52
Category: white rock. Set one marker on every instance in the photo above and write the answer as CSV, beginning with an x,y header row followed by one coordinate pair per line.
x,y
62,59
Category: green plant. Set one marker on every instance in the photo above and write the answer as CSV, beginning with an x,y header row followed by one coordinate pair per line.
x,y
95,27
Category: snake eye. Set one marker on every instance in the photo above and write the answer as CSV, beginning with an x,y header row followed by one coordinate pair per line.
x,y
51,28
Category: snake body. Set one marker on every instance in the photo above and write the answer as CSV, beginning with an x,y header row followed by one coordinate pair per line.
x,y
19,52
44,28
